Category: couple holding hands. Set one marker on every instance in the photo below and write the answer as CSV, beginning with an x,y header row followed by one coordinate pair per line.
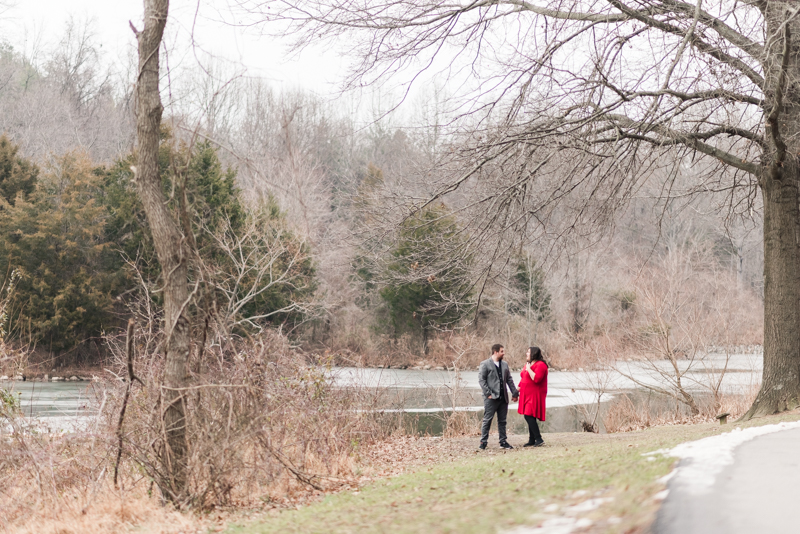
x,y
493,377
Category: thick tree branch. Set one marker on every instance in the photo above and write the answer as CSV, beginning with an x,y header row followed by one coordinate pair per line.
x,y
773,124
381,18
714,94
698,43
669,136
726,32
569,15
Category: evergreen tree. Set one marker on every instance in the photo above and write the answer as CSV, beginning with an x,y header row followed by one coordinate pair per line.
x,y
65,233
530,296
56,240
17,175
210,193
422,294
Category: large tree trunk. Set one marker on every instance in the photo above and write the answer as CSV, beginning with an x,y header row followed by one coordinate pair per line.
x,y
780,387
170,248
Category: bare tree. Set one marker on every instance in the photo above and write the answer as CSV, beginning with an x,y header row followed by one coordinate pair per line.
x,y
259,258
686,309
74,66
170,246
617,89
599,381
63,97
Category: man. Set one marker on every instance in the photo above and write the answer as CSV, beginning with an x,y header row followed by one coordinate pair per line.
x,y
493,376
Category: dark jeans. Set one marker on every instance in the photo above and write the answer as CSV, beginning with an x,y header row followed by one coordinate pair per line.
x,y
533,429
491,407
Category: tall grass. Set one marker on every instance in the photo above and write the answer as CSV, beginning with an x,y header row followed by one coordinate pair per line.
x,y
626,414
264,425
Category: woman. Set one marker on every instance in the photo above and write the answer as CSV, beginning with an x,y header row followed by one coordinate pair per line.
x,y
532,394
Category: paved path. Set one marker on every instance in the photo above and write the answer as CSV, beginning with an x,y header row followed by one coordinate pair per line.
x,y
758,493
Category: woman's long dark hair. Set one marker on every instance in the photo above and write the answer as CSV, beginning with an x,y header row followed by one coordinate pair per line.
x,y
536,355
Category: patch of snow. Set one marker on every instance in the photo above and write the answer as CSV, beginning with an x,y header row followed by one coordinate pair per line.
x,y
666,478
702,460
52,425
586,506
661,495
568,523
557,525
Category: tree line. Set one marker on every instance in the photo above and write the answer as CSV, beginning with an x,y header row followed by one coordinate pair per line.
x,y
369,280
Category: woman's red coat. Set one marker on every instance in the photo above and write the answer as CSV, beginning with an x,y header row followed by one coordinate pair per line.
x,y
532,393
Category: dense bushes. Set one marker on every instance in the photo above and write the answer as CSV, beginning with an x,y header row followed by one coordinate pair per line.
x,y
55,237
17,175
76,235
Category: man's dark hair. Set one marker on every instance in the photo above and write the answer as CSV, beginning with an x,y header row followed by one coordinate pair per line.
x,y
496,347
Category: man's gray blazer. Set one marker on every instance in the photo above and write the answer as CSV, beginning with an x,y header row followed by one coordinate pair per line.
x,y
490,382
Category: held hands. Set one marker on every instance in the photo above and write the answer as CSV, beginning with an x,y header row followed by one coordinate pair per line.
x,y
515,398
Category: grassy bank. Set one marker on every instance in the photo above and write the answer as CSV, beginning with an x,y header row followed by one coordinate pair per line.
x,y
495,490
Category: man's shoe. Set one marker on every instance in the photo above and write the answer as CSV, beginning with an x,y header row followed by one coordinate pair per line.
x,y
506,445
538,443
529,444
482,446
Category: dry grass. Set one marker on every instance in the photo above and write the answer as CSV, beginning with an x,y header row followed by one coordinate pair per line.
x,y
627,415
460,423
77,496
260,422
264,428
461,348
111,512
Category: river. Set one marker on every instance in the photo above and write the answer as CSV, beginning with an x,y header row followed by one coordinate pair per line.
x,y
424,395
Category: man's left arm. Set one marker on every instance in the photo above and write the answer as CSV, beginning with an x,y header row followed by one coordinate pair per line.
x,y
482,372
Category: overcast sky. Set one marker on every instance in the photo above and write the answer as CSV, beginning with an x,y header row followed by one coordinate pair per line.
x,y
39,23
